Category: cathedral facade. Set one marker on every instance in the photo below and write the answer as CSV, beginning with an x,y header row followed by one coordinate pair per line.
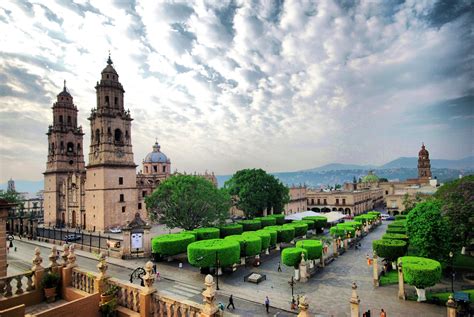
x,y
107,192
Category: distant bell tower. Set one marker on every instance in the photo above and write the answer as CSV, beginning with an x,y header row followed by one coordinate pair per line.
x,y
111,194
64,175
424,166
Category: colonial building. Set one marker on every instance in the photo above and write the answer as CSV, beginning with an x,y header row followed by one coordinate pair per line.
x,y
108,191
298,201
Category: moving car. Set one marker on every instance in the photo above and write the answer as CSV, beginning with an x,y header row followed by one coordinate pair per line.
x,y
387,217
72,237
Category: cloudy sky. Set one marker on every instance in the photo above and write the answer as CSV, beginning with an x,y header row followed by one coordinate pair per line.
x,y
225,85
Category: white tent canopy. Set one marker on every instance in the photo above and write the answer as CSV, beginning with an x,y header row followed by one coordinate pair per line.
x,y
333,216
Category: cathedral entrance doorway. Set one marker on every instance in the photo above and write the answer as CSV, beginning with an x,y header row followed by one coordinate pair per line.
x,y
73,219
63,219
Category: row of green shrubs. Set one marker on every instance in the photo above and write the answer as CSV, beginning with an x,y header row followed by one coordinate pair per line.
x,y
312,249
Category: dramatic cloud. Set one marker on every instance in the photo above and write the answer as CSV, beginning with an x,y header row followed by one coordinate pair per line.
x,y
225,85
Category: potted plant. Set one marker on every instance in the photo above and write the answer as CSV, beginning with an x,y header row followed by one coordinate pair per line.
x,y
109,293
50,282
108,309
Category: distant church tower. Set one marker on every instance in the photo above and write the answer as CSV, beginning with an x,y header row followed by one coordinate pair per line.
x,y
424,166
111,189
64,175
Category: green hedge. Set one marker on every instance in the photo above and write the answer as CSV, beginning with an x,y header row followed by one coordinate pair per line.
x,y
250,244
398,230
251,225
284,233
400,217
267,221
389,249
365,218
171,244
265,236
319,221
292,256
348,229
420,272
273,235
229,230
203,253
314,248
300,228
337,232
194,233
280,219
207,233
375,213
398,224
310,223
355,224
395,236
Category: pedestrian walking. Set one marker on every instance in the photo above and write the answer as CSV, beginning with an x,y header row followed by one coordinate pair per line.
x,y
383,313
8,249
297,300
293,303
279,266
267,303
154,268
368,313
231,302
158,276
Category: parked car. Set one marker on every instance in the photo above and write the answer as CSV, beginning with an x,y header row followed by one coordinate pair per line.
x,y
387,217
72,237
115,230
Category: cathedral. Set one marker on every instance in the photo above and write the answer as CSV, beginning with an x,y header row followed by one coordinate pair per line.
x,y
107,191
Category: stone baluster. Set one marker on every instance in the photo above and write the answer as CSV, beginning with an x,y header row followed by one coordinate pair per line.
x,y
375,270
149,277
451,307
2,287
355,310
65,254
303,306
53,260
210,307
401,282
37,260
19,286
71,258
8,287
29,282
100,281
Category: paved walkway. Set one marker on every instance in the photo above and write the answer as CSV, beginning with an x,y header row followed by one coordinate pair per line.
x,y
328,292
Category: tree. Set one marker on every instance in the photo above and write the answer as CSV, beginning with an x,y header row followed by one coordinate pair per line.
x,y
429,233
256,191
409,202
457,199
188,202
383,180
10,196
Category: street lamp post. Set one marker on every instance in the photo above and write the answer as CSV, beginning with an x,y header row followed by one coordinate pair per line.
x,y
451,256
217,270
292,284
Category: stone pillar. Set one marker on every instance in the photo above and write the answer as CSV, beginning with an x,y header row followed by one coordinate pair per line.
x,y
303,306
335,246
451,307
146,242
321,260
346,244
71,258
65,254
209,298
38,270
355,311
146,293
376,270
303,270
102,277
126,243
401,283
3,237
53,260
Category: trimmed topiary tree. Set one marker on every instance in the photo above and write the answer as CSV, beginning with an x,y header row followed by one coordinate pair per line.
x,y
300,228
251,225
171,244
250,244
361,218
421,273
292,256
265,236
347,228
194,233
280,219
267,221
398,230
337,232
231,229
355,224
395,236
319,222
389,249
375,213
314,248
207,233
273,235
284,233
203,253
398,224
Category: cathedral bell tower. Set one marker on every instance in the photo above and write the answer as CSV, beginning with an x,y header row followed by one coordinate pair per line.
x,y
424,166
111,194
64,175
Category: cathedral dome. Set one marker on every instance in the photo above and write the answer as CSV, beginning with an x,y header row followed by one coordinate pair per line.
x,y
370,178
423,151
109,69
156,156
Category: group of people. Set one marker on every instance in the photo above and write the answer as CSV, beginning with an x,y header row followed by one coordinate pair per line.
x,y
231,304
382,313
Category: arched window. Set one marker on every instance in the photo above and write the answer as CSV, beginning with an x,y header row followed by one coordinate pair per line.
x,y
118,135
97,136
126,134
60,119
69,120
78,147
70,148
116,102
107,98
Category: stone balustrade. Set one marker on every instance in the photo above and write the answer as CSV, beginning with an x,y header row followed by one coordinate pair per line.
x,y
162,305
16,284
84,281
128,294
